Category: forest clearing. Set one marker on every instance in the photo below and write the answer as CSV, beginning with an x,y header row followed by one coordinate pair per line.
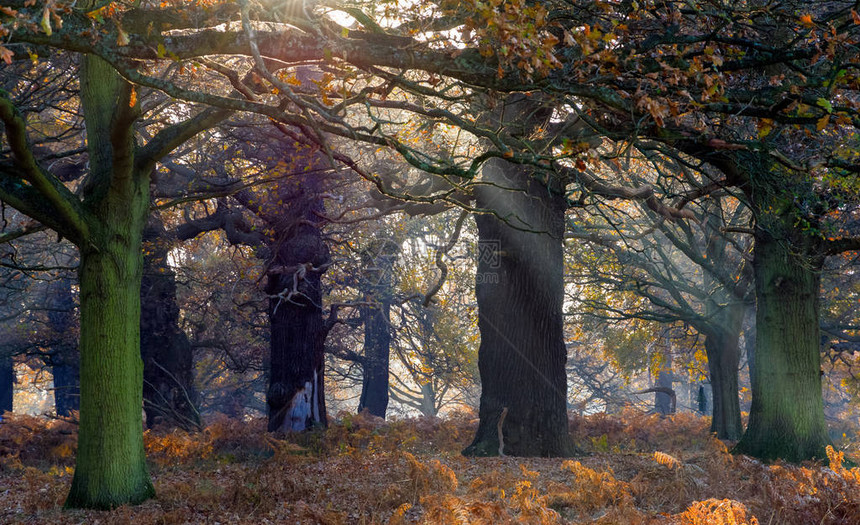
x,y
634,469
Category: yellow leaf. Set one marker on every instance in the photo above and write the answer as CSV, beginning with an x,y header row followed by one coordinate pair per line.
x,y
822,122
46,22
765,126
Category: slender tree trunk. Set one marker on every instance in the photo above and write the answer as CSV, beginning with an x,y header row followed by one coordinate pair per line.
x,y
428,400
787,413
65,364
65,360
377,348
662,401
110,468
7,383
296,396
519,289
169,396
725,314
723,359
377,283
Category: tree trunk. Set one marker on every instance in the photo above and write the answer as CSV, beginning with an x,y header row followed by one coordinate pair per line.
x,y
65,365
296,397
749,342
787,413
428,400
724,312
723,353
7,383
663,403
110,467
378,262
65,360
702,401
169,396
519,289
374,365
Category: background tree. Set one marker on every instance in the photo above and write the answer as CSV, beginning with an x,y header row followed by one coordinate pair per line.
x,y
377,289
699,276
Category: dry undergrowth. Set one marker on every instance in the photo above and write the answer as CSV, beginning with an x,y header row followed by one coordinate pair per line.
x,y
639,470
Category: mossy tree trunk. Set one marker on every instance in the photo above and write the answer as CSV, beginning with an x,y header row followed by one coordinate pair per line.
x,y
519,289
110,468
787,413
105,220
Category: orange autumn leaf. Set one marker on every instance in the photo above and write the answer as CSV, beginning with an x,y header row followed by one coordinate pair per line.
x,y
6,55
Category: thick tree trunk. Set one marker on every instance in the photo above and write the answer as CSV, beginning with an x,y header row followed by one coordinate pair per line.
x,y
7,383
110,468
787,414
296,397
65,360
376,285
519,288
169,396
723,359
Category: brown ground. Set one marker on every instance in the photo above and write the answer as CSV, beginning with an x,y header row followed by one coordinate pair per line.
x,y
638,469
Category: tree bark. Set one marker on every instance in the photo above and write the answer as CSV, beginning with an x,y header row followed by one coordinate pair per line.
x,y
7,384
67,382
723,353
375,362
519,289
378,262
169,396
296,396
724,314
663,404
787,413
110,468
65,360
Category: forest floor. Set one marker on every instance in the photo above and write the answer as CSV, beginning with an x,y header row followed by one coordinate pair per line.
x,y
636,469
